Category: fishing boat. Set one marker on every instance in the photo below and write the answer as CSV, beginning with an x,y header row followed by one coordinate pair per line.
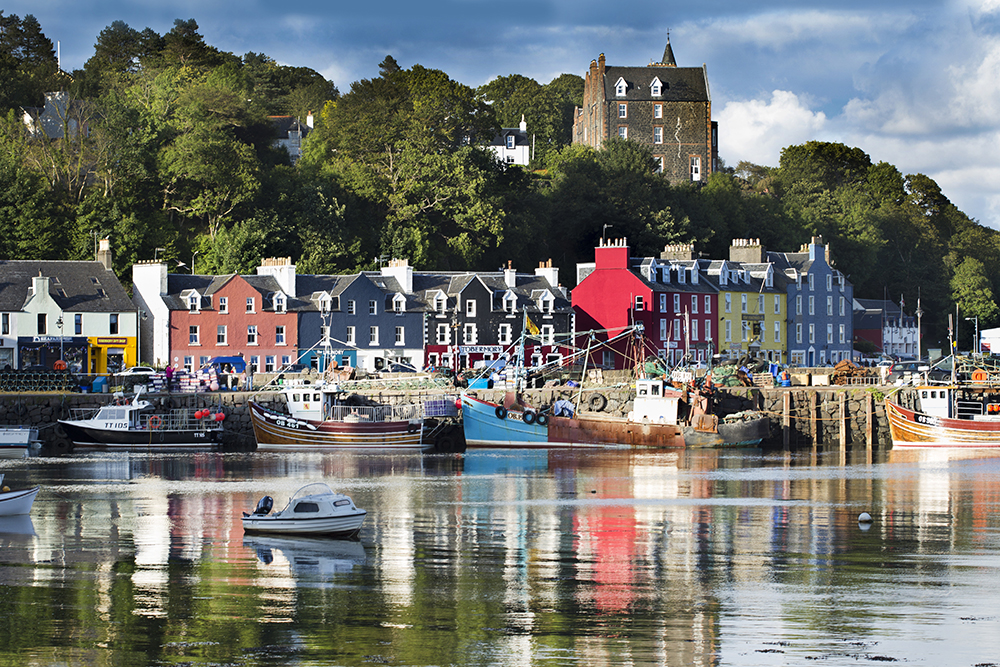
x,y
13,503
18,442
322,417
952,415
315,509
137,425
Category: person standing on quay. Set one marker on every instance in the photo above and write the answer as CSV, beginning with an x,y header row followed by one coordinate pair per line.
x,y
169,372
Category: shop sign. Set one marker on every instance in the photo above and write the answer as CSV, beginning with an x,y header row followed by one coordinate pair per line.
x,y
112,341
481,349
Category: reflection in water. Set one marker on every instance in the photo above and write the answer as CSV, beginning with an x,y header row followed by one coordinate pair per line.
x,y
559,557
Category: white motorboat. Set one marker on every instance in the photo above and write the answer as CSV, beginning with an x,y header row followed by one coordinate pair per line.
x,y
16,502
315,509
18,442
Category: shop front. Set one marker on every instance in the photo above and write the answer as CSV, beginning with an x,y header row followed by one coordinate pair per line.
x,y
45,351
111,354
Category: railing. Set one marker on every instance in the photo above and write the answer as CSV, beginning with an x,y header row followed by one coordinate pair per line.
x,y
179,419
376,413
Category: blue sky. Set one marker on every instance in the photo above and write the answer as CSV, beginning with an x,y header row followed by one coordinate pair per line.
x,y
915,84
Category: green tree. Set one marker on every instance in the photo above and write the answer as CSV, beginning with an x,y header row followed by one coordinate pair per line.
x,y
973,293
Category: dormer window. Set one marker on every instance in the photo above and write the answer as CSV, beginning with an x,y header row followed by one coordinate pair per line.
x,y
656,88
324,305
510,142
621,87
398,303
439,303
193,303
509,302
279,303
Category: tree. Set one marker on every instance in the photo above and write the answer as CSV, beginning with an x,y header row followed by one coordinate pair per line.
x,y
973,293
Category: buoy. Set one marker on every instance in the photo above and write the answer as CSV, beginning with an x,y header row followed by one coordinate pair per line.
x,y
219,416
864,517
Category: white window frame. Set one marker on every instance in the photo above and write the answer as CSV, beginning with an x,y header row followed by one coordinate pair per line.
x,y
657,111
623,132
279,303
251,305
694,304
279,335
349,336
695,162
812,305
798,332
223,304
470,334
708,304
729,302
221,335
729,331
777,331
400,335
470,307
352,307
252,334
372,307
694,330
194,334
657,135
443,336
373,335
623,109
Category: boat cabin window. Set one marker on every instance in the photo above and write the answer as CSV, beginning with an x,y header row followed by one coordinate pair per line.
x,y
342,502
306,507
295,398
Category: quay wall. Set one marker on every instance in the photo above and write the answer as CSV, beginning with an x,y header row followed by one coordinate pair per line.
x,y
814,417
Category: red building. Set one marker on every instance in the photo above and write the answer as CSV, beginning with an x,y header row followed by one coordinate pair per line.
x,y
673,299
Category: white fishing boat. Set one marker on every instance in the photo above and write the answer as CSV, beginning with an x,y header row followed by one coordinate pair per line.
x,y
18,442
315,509
16,502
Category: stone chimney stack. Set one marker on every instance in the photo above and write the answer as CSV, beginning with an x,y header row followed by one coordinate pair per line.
x,y
104,253
401,270
549,272
510,275
679,251
282,270
747,251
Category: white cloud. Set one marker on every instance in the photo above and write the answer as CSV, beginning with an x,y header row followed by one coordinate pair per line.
x,y
757,130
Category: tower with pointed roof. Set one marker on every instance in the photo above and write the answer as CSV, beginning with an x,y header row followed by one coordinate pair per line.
x,y
666,107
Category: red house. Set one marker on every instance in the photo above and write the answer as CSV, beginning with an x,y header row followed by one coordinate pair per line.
x,y
673,299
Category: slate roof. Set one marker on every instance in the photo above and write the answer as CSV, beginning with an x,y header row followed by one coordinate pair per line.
x,y
74,286
520,138
178,283
680,84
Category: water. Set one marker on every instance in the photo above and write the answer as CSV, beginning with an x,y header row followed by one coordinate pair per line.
x,y
508,558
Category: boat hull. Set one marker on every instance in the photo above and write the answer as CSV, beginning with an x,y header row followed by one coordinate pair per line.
x,y
86,437
910,428
13,503
345,525
277,432
747,433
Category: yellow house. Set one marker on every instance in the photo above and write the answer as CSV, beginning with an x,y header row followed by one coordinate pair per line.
x,y
752,309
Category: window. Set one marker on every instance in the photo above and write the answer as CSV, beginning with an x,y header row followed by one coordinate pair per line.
x,y
663,303
760,304
677,330
842,334
78,324
220,335
777,332
811,282
798,304
189,363
729,331
621,87
657,135
269,363
252,334
193,335
443,334
349,336
657,111
842,306
251,308
829,305
829,333
622,110
656,88
373,307
279,335
694,329
812,333
510,141
504,334
285,360
325,304
42,328
622,132
469,336
694,305
113,324
729,302
677,303
203,361
829,282
638,302
695,168
223,304
777,304
324,334
745,331
399,304
470,307
659,164
279,303
708,305
798,333
5,324
548,334
663,329
352,308
400,338
193,302
812,305
743,303
373,335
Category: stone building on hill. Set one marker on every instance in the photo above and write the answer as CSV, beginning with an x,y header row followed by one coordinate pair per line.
x,y
666,107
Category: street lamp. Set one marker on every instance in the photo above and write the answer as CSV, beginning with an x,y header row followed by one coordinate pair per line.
x,y
156,253
59,323
976,319
920,314
192,261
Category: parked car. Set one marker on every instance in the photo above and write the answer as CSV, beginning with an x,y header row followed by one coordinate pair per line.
x,y
137,370
913,372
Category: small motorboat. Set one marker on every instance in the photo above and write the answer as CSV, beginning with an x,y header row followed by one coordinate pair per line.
x,y
18,442
315,509
13,503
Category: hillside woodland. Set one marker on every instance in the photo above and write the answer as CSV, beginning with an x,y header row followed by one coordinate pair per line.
x,y
180,162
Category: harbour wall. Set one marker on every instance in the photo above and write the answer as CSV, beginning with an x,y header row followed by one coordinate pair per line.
x,y
820,418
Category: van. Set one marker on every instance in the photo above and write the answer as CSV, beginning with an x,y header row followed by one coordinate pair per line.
x,y
238,364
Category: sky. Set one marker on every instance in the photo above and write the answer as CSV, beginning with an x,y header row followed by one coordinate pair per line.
x,y
915,83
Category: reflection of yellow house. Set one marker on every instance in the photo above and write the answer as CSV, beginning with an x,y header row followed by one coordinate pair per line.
x,y
752,309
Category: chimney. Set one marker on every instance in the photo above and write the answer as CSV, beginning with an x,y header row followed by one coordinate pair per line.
x,y
680,251
401,270
282,270
747,251
815,248
309,120
104,253
39,285
523,126
510,275
547,271
612,254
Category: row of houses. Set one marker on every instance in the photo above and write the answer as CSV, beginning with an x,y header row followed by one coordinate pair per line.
x,y
787,307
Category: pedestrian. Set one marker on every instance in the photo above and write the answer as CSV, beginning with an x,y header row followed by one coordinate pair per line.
x,y
243,380
249,377
169,372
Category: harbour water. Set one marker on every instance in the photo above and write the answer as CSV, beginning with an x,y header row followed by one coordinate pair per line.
x,y
508,558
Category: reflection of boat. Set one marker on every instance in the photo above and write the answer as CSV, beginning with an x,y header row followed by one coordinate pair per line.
x,y
17,442
947,416
135,425
315,509
315,556
17,502
320,418
654,422
16,524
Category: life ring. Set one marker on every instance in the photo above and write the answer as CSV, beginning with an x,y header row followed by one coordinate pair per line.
x,y
979,375
155,422
541,419
597,402
501,412
529,417
60,365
